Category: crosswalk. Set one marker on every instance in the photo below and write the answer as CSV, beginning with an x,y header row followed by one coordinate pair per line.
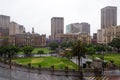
x,y
97,78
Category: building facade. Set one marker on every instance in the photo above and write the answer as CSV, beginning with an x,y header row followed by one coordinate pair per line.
x,y
111,33
15,28
85,38
101,36
73,28
28,39
108,16
4,25
15,34
72,37
57,26
21,29
85,28
94,39
4,21
4,29
66,37
108,22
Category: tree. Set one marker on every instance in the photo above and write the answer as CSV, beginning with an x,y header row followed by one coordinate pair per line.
x,y
91,51
79,51
40,52
27,50
4,51
66,44
12,50
70,44
53,45
1,51
100,48
8,50
68,53
115,43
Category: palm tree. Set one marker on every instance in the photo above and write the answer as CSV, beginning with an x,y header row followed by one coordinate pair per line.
x,y
79,51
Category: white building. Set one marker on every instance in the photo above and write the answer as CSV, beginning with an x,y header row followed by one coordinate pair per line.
x,y
101,36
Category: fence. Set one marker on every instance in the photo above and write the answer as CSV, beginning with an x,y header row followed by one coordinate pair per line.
x,y
19,72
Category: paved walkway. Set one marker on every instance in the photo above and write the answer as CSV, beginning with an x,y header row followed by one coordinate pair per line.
x,y
114,78
83,60
110,75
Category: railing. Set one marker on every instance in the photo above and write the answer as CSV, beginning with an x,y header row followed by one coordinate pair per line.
x,y
22,72
28,69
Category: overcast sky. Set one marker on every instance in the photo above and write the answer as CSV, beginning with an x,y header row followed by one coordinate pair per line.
x,y
38,13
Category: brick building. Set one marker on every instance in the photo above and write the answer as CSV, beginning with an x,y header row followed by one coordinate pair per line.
x,y
30,39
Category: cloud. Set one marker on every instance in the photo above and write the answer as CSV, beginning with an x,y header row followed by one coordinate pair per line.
x,y
38,13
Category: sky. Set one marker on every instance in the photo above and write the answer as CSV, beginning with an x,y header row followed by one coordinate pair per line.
x,y
38,13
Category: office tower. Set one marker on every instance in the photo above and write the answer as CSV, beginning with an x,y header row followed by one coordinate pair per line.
x,y
85,28
108,17
4,25
15,28
73,28
4,21
21,29
57,26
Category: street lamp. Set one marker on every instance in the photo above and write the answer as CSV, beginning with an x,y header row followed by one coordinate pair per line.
x,y
103,64
9,56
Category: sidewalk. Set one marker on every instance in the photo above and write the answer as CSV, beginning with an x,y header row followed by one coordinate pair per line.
x,y
84,60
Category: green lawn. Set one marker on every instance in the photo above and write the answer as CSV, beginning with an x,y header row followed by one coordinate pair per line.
x,y
59,63
108,57
46,50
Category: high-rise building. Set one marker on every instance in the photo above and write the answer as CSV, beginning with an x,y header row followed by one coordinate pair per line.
x,y
21,29
4,21
57,26
85,28
4,25
108,17
4,29
15,28
73,28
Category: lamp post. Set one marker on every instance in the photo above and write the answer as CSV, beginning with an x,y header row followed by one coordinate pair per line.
x,y
79,69
9,57
103,64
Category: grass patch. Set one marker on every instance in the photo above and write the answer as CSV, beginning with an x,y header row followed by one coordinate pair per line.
x,y
46,50
46,62
108,57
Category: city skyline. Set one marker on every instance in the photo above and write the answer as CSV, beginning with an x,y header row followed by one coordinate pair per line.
x,y
38,13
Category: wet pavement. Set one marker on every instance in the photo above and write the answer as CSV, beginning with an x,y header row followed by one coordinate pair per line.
x,y
114,78
24,74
